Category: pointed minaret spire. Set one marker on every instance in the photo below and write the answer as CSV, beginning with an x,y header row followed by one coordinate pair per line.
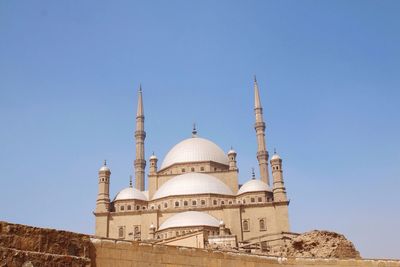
x,y
140,135
253,175
262,153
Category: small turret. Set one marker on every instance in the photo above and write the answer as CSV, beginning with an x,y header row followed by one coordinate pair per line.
x,y
279,189
103,196
153,164
222,230
232,159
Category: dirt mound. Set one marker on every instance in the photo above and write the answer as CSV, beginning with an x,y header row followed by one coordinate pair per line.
x,y
321,244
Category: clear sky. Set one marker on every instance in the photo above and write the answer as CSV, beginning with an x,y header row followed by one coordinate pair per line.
x,y
329,77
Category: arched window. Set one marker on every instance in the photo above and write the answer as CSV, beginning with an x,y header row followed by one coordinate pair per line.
x,y
262,224
176,203
165,205
259,199
215,202
122,208
203,202
222,202
129,207
194,202
121,232
185,203
252,200
246,225
192,169
137,207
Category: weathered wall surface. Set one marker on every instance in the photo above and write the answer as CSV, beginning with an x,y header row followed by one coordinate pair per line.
x,y
123,253
31,247
22,245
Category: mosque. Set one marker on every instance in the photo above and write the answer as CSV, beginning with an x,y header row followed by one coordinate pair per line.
x,y
194,198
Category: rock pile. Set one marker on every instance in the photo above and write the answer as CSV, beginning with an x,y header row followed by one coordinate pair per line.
x,y
321,244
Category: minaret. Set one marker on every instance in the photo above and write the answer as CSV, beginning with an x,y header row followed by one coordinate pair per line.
x,y
103,196
262,153
279,186
153,164
232,159
140,135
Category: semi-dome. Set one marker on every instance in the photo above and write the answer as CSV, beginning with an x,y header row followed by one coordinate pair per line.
x,y
130,193
192,184
194,149
253,186
189,218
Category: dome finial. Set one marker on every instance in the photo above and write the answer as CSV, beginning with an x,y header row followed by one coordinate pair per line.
x,y
130,180
274,150
105,162
255,78
253,175
140,87
194,131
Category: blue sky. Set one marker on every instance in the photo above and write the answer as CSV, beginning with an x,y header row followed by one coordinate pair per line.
x,y
328,72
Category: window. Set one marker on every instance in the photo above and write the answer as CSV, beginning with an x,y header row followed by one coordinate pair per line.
x,y
176,203
185,203
222,202
202,169
129,207
203,202
194,203
215,169
137,207
144,207
262,225
136,232
244,201
183,170
215,202
230,202
122,208
152,207
121,232
192,169
246,226
259,199
176,233
252,200
165,205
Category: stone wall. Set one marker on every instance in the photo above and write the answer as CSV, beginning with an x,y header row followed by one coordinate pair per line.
x,y
31,247
109,252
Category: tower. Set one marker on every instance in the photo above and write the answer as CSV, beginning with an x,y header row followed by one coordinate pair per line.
x,y
103,196
262,153
140,135
232,159
279,186
153,164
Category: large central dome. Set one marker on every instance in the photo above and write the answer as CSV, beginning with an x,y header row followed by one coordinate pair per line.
x,y
194,149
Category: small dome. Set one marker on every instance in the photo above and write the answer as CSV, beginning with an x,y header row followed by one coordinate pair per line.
x,y
253,186
231,152
192,184
130,193
194,149
275,156
189,218
153,157
104,168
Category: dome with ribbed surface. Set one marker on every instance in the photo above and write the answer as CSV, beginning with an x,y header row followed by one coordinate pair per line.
x,y
253,186
194,149
130,193
189,218
192,184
